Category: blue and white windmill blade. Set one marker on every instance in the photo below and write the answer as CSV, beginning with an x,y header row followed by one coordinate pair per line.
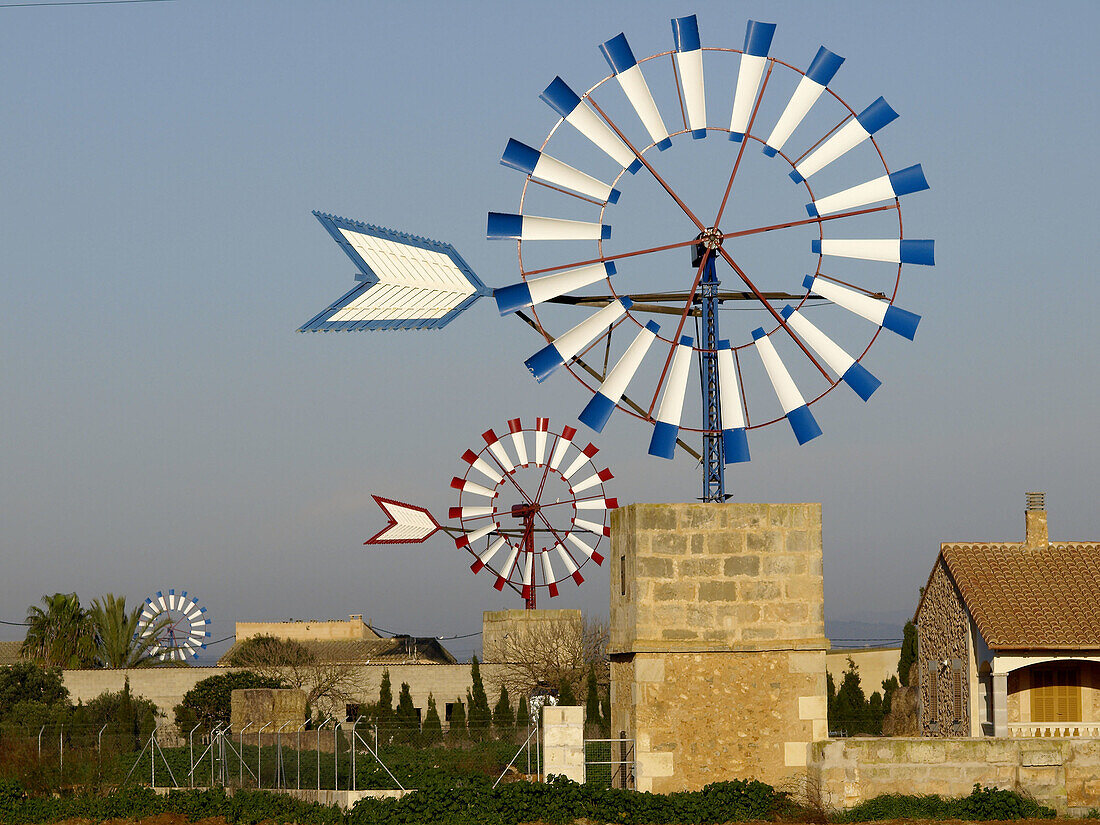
x,y
603,402
849,136
509,225
894,185
887,250
577,114
822,70
877,311
790,399
666,428
621,59
758,41
406,281
528,293
847,368
735,441
547,169
564,348
689,65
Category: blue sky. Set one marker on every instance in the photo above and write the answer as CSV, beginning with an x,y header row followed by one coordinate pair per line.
x,y
164,426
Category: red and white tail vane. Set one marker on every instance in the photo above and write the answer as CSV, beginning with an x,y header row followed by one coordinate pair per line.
x,y
408,524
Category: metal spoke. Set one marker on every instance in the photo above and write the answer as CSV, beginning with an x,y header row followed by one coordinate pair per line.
x,y
744,142
606,258
680,328
806,221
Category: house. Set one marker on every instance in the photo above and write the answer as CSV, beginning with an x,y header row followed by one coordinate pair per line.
x,y
1009,637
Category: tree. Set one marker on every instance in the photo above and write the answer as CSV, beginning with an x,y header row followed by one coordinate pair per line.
x,y
385,700
605,711
479,718
565,693
592,702
908,652
523,713
457,728
118,644
889,688
27,682
128,718
325,682
550,653
432,731
61,634
504,720
406,718
208,702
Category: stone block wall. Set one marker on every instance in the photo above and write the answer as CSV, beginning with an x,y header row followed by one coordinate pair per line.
x,y
943,658
502,630
717,640
563,741
266,706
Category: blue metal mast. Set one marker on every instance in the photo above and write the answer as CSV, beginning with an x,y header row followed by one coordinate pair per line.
x,y
714,475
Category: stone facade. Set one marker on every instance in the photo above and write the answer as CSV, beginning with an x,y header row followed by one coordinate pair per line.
x,y
353,629
943,658
266,707
717,640
501,629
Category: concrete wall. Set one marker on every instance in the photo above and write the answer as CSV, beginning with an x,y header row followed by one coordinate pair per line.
x,y
563,741
328,630
1061,773
875,665
717,640
266,706
502,630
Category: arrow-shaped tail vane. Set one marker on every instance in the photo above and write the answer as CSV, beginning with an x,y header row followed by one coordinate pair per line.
x,y
406,282
408,524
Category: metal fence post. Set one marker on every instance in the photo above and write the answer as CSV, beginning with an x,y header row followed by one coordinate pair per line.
x,y
240,756
298,757
259,750
191,753
40,742
99,754
354,724
61,750
153,757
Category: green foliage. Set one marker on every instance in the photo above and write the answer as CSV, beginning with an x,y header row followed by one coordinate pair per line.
x,y
565,694
207,703
908,651
406,712
479,717
592,701
850,710
118,643
983,804
432,730
61,634
128,718
384,713
523,713
889,688
457,728
27,682
504,720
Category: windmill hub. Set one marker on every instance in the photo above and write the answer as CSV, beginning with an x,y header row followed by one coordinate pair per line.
x,y
711,238
523,510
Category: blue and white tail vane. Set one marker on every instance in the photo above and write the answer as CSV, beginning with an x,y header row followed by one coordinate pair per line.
x,y
406,282
821,72
894,185
625,67
666,428
876,310
798,414
507,225
605,399
547,169
564,348
847,368
580,116
758,41
735,441
846,138
888,250
528,293
689,66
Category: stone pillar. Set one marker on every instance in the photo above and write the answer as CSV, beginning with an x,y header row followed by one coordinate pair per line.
x,y
1000,704
717,640
563,741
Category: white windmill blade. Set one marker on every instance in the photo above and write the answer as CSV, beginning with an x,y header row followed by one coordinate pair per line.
x,y
689,65
471,537
846,138
407,282
520,446
508,225
570,565
603,402
472,487
889,250
591,527
597,503
498,451
821,72
790,399
505,570
592,480
470,512
548,574
565,347
528,293
160,601
482,466
562,447
584,547
850,371
548,169
876,310
758,41
735,440
585,457
542,426
894,185
580,116
528,574
666,428
486,555
620,58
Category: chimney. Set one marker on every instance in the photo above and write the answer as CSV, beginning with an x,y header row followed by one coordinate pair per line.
x,y
1035,531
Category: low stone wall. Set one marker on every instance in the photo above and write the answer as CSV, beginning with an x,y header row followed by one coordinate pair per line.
x,y
1061,773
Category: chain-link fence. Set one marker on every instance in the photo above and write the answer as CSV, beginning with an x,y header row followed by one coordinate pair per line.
x,y
609,763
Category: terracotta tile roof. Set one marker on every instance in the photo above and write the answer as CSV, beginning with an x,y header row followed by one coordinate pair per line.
x,y
395,651
1037,598
9,653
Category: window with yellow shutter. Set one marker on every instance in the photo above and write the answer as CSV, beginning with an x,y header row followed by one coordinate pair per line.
x,y
1055,694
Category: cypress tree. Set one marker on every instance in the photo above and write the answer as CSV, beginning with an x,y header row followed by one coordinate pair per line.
x,y
406,719
479,718
457,729
523,714
503,719
565,693
433,728
592,701
385,700
908,652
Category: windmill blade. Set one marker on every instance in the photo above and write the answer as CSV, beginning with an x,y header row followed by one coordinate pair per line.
x,y
597,504
620,58
502,576
890,250
580,116
584,547
518,443
689,65
584,458
735,440
547,169
594,479
406,523
603,402
849,136
160,601
469,512
508,225
487,554
821,72
472,487
904,182
548,574
758,40
469,538
564,348
851,372
542,425
666,429
483,466
528,293
562,447
171,599
528,574
570,565
790,399
407,282
877,311
497,450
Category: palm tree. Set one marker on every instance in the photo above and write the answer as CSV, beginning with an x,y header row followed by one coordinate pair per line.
x,y
61,635
118,644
